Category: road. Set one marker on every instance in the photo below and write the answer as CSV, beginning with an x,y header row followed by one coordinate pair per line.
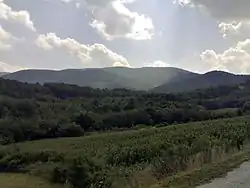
x,y
238,178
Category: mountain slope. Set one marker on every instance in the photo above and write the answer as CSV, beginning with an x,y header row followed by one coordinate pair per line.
x,y
96,78
115,77
150,77
210,79
3,73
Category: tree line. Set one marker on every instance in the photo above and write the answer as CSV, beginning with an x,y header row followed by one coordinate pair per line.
x,y
34,111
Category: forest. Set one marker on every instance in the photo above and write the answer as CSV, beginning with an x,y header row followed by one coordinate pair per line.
x,y
80,137
34,111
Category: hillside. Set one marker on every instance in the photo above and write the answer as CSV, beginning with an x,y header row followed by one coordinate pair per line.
x,y
3,73
160,80
96,78
150,77
85,137
210,79
116,77
119,160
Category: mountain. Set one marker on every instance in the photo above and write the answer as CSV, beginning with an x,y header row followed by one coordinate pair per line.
x,y
3,73
115,77
160,80
210,79
149,77
96,78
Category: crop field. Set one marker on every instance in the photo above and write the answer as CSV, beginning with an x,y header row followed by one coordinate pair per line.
x,y
127,159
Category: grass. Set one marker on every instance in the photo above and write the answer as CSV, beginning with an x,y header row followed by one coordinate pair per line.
x,y
131,158
11,180
188,179
208,172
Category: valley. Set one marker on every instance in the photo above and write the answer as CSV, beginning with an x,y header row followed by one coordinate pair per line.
x,y
57,134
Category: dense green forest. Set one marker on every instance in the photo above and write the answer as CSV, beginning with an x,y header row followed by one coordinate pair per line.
x,y
33,111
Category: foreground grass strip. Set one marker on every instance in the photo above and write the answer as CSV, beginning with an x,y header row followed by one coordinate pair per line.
x,y
11,180
204,175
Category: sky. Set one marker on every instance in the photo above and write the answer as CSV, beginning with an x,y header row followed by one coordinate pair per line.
x,y
196,35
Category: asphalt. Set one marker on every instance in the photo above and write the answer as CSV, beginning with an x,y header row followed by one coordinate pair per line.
x,y
238,178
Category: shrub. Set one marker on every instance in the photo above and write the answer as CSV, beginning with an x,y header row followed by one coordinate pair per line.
x,y
81,172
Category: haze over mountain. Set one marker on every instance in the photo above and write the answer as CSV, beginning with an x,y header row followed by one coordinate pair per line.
x,y
149,77
163,80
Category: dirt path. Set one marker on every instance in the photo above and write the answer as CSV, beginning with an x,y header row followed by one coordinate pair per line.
x,y
238,178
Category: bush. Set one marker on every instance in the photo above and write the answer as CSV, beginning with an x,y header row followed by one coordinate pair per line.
x,y
81,173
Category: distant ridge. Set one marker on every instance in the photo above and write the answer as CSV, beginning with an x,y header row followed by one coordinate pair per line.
x,y
210,79
154,79
115,77
3,73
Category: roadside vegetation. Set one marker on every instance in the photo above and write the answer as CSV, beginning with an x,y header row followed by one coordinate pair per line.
x,y
127,159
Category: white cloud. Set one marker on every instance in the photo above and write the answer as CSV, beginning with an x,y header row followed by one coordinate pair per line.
x,y
230,28
235,59
233,15
96,55
22,17
234,24
115,20
112,19
5,39
235,30
157,63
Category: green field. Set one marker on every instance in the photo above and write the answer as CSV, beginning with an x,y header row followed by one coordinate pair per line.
x,y
127,159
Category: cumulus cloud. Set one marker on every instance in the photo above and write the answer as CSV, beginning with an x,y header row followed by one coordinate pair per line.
x,y
5,39
115,20
235,59
234,23
233,15
230,28
96,55
236,30
157,63
112,19
22,17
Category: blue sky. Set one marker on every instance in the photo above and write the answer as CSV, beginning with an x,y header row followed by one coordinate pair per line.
x,y
198,35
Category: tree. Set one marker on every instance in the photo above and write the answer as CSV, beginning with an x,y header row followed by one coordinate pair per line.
x,y
84,120
246,106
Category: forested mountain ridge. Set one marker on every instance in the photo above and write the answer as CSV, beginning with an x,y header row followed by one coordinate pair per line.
x,y
3,73
115,77
96,78
207,80
154,79
150,77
